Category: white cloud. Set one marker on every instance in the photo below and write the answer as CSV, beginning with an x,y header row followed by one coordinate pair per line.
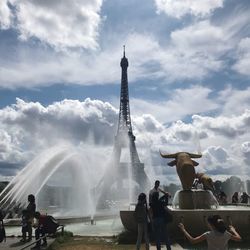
x,y
180,103
231,127
245,148
33,127
201,37
47,68
180,8
5,15
194,50
234,101
243,57
184,58
28,128
58,23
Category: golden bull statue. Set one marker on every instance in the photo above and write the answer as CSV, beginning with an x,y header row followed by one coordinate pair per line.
x,y
185,167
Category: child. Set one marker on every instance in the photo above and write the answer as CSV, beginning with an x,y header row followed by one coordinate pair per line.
x,y
141,217
218,237
25,222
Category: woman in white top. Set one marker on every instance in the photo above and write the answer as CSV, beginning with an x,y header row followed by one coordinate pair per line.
x,y
218,237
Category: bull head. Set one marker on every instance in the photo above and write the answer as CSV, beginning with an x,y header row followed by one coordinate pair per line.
x,y
184,166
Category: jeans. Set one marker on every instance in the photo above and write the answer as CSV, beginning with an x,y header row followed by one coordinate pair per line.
x,y
160,232
40,232
142,228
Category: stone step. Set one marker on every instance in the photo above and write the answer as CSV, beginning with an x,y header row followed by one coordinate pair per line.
x,y
13,243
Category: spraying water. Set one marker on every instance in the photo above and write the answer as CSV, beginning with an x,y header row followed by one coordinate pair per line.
x,y
63,179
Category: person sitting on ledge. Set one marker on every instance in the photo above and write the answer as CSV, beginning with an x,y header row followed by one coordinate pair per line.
x,y
244,198
46,224
218,237
222,198
235,197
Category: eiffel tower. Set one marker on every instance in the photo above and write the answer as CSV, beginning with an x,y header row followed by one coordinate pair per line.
x,y
125,140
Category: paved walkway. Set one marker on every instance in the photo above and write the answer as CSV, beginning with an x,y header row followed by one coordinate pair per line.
x,y
14,243
175,246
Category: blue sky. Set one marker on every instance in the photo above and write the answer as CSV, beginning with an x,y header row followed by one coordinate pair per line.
x,y
188,78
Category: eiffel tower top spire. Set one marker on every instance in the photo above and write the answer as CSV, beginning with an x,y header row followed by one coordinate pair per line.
x,y
124,60
124,124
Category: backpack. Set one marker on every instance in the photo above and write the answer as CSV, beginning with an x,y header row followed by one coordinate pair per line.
x,y
51,224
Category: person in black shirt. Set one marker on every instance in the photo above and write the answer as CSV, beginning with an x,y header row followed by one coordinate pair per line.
x,y
158,216
141,217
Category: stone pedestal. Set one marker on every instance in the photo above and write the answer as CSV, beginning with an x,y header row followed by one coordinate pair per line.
x,y
196,199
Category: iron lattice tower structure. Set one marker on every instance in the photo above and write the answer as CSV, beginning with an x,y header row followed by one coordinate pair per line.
x,y
124,139
124,130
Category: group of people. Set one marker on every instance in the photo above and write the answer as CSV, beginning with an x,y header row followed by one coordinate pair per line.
x,y
158,216
243,198
236,198
43,224
155,216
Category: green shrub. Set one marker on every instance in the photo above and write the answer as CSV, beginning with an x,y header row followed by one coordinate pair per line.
x,y
60,239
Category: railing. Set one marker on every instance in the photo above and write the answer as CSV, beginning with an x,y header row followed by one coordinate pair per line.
x,y
61,227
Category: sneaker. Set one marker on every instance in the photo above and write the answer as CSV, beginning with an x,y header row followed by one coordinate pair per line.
x,y
29,239
23,240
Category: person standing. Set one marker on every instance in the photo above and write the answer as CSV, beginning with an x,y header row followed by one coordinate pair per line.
x,y
141,217
153,190
25,221
157,189
31,209
217,237
159,223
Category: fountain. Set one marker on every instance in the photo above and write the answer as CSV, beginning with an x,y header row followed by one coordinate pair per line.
x,y
63,180
192,206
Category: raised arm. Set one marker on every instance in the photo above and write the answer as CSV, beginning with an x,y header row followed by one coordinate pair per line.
x,y
235,236
189,237
166,193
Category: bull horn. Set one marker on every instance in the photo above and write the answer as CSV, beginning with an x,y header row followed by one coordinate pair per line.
x,y
195,155
168,155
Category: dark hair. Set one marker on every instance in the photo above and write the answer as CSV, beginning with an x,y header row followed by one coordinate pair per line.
x,y
142,197
31,198
157,182
217,222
